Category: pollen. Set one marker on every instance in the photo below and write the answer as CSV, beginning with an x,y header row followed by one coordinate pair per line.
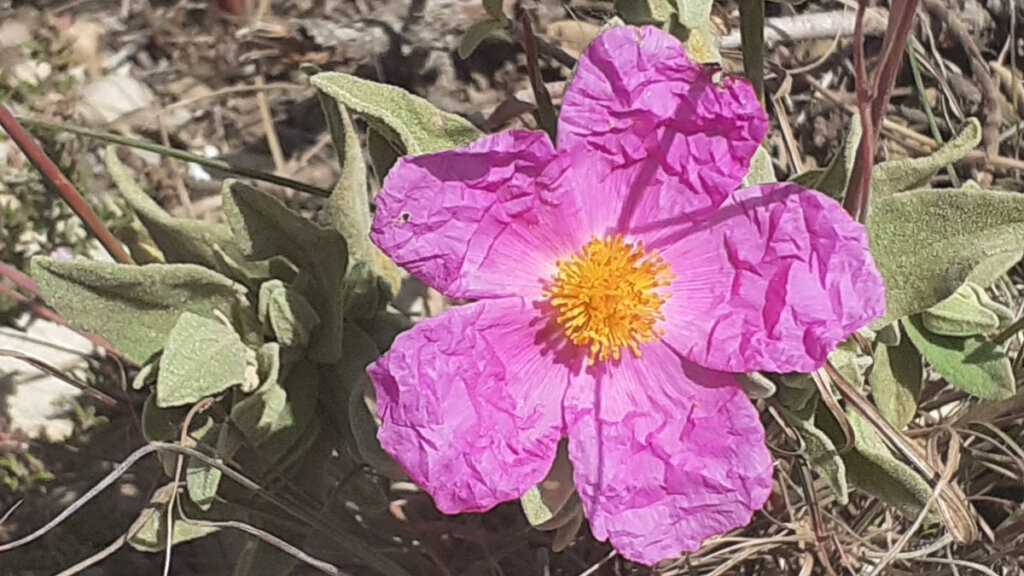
x,y
609,296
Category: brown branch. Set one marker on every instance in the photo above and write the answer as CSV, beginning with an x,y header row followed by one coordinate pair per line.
x,y
53,177
873,96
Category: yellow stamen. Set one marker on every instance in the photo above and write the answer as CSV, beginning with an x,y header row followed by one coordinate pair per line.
x,y
607,296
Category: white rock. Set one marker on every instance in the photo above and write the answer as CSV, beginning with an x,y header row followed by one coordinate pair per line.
x,y
112,97
36,401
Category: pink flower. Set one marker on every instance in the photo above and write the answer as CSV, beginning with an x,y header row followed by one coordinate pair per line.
x,y
619,278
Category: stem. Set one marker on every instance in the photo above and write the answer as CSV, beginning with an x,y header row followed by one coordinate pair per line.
x,y
183,155
545,109
932,125
53,177
752,44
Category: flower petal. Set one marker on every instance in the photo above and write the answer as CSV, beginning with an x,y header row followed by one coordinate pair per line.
x,y
772,282
665,134
487,220
665,453
470,403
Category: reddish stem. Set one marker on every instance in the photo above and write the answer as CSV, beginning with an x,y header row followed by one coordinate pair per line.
x,y
52,175
873,96
19,279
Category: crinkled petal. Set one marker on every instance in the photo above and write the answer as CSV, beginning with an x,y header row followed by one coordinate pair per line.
x,y
665,136
772,282
470,403
665,453
484,221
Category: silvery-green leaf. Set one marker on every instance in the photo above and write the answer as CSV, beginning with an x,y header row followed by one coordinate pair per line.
x,y
756,385
890,334
146,376
495,9
851,362
872,467
181,240
972,364
896,382
149,531
820,453
694,14
383,154
553,502
926,243
202,479
476,34
410,121
202,357
133,307
288,315
907,174
962,314
640,12
265,227
761,170
833,179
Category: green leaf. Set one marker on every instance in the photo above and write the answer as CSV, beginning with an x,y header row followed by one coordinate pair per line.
x,y
926,243
180,240
202,479
133,307
761,170
851,362
202,357
962,314
640,12
495,8
476,34
275,417
372,279
694,14
383,154
265,227
149,531
756,385
972,364
832,180
553,502
820,453
146,376
407,120
873,468
360,352
896,176
889,334
287,313
896,382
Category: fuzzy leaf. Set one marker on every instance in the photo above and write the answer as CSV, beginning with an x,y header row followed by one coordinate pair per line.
x,y
972,364
896,382
476,34
265,227
360,352
287,313
149,531
133,307
181,240
403,118
761,170
202,479
962,314
640,12
202,357
926,243
553,502
383,154
756,385
833,179
495,8
820,453
694,14
907,174
874,469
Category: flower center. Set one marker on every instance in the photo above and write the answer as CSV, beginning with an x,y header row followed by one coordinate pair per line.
x,y
607,296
